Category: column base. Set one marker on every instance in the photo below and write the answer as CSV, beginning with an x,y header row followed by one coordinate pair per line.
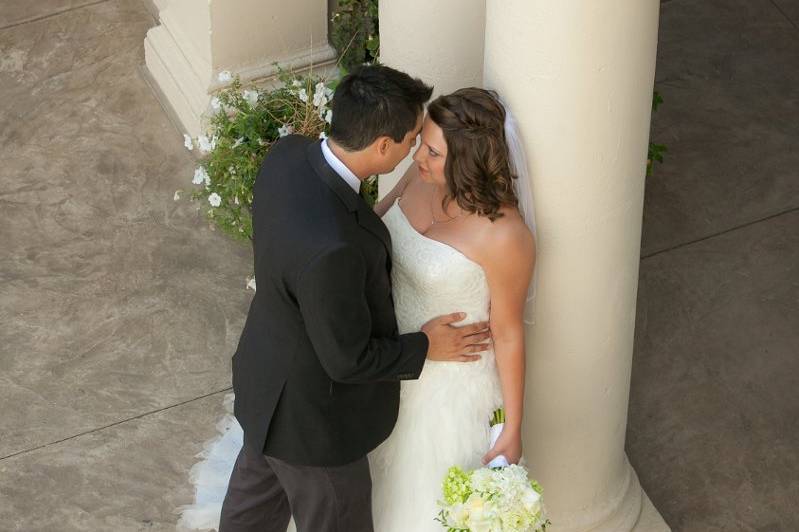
x,y
179,88
629,511
650,519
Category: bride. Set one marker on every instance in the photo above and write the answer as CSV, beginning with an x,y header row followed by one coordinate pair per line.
x,y
463,236
460,241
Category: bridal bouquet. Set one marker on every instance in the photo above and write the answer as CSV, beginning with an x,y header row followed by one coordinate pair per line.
x,y
492,499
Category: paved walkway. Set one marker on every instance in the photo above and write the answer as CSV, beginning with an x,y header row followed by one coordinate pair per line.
x,y
120,308
714,404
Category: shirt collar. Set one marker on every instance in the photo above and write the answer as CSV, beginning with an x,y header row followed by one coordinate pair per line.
x,y
340,168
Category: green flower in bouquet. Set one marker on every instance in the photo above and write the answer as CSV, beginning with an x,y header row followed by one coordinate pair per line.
x,y
457,485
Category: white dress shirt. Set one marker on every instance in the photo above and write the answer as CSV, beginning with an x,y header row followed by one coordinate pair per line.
x,y
341,168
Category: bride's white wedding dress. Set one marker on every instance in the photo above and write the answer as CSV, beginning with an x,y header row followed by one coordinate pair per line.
x,y
444,415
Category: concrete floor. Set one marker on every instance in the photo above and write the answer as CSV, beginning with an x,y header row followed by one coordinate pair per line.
x,y
713,426
121,308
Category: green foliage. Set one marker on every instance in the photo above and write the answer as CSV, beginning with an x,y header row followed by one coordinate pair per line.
x,y
241,130
355,32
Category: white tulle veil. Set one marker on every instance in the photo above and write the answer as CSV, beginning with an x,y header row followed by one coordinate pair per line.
x,y
522,186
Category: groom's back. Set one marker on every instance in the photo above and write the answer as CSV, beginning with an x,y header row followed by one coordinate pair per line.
x,y
285,400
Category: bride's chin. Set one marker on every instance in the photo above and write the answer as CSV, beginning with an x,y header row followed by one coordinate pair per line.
x,y
425,176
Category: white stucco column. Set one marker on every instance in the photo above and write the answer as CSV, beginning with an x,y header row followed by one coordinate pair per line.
x,y
440,42
197,40
578,76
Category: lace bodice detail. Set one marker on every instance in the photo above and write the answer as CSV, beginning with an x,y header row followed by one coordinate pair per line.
x,y
431,278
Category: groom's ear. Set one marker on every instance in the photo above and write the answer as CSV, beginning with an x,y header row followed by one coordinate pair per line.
x,y
383,145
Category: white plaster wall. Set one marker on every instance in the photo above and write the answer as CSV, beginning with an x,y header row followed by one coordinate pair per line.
x,y
245,32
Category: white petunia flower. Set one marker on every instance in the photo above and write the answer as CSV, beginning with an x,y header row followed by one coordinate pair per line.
x,y
225,76
319,99
201,176
215,199
329,93
251,283
216,103
250,96
287,129
187,142
329,116
176,197
322,135
205,144
302,95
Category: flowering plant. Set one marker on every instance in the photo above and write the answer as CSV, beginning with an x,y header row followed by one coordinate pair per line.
x,y
242,126
492,499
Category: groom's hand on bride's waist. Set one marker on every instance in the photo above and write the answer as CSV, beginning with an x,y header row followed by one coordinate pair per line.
x,y
451,343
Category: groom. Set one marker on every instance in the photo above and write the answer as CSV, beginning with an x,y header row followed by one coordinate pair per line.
x,y
318,367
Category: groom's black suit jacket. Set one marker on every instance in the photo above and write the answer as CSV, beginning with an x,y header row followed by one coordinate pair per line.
x,y
317,369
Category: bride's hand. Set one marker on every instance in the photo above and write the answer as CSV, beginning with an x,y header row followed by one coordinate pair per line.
x,y
509,444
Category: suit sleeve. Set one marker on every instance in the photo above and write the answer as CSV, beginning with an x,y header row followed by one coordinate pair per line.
x,y
332,297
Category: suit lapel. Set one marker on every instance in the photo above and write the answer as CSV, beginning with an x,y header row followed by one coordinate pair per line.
x,y
371,222
364,214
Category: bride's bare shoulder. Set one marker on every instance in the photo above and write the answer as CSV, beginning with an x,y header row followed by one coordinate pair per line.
x,y
506,239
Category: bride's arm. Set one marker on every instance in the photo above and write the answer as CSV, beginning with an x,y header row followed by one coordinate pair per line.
x,y
383,205
509,264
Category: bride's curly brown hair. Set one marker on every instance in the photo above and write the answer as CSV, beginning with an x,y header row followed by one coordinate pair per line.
x,y
477,168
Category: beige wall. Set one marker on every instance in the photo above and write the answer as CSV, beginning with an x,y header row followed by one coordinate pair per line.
x,y
270,29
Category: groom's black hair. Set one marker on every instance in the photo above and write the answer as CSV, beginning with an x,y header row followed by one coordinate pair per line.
x,y
374,101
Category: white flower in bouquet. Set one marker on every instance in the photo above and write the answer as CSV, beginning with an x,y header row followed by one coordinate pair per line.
x,y
492,499
302,95
284,130
215,199
201,177
251,97
329,116
225,76
188,142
